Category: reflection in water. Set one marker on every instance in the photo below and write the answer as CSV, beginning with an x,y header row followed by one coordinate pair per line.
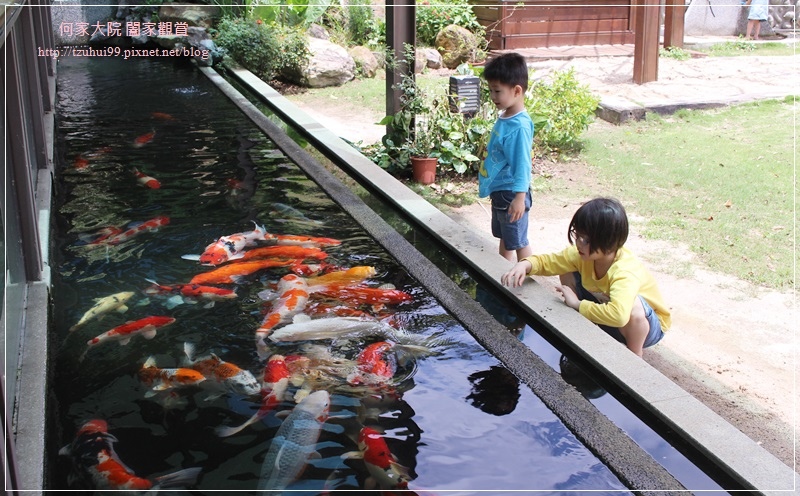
x,y
582,381
218,174
494,391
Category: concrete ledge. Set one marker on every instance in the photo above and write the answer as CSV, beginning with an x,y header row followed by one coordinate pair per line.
x,y
619,110
731,451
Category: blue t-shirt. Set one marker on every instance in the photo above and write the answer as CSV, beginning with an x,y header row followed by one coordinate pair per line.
x,y
507,166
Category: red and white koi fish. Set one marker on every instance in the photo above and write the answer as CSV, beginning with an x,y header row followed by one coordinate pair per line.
x,y
95,463
115,302
161,116
359,295
145,180
273,390
146,327
225,375
231,247
197,291
144,139
383,467
375,362
166,379
228,274
292,299
294,442
114,237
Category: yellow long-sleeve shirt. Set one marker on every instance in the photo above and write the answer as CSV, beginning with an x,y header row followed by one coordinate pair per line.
x,y
625,279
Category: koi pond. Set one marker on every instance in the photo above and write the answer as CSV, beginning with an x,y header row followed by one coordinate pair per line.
x,y
155,164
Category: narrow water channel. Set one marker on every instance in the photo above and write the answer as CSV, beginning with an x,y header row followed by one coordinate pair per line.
x,y
450,415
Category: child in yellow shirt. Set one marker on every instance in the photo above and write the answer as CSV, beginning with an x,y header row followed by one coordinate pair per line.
x,y
602,279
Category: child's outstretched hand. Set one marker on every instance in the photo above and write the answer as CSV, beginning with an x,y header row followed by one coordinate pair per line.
x,y
570,298
516,275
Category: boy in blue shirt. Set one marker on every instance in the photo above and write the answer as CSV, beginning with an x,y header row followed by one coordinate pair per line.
x,y
505,175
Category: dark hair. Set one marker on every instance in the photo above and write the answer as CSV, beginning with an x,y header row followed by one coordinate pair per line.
x,y
603,221
509,68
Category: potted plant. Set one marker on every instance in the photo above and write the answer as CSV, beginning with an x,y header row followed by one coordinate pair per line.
x,y
421,145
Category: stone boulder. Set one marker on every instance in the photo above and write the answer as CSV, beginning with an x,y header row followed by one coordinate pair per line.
x,y
328,65
427,57
194,15
317,31
365,61
457,45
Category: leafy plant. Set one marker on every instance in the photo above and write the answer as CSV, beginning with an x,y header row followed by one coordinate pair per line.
x,y
287,12
674,52
433,16
561,111
264,50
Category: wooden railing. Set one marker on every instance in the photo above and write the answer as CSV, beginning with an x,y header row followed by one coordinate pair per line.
x,y
28,75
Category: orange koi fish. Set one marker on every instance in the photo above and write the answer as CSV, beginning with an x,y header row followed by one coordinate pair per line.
x,y
80,162
114,235
146,327
231,247
196,291
165,379
273,389
225,375
307,241
145,180
358,295
95,463
278,251
161,116
350,276
318,309
385,472
229,273
144,139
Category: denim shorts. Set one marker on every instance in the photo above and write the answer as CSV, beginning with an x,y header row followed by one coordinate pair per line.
x,y
653,337
513,234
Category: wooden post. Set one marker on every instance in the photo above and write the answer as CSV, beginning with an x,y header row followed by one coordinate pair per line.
x,y
400,31
645,50
673,23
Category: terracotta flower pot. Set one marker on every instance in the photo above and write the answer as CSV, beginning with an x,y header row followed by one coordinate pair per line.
x,y
423,169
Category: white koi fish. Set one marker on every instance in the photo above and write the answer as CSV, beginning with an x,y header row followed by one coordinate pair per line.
x,y
304,329
295,442
115,302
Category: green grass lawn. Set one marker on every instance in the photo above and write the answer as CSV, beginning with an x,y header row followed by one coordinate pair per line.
x,y
746,47
720,181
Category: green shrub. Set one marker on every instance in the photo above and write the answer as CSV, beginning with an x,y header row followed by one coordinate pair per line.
x,y
360,24
432,18
561,111
265,50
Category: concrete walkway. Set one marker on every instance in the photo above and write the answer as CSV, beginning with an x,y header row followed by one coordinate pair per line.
x,y
700,82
